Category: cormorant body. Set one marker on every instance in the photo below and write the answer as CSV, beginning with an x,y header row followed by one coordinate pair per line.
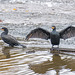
x,y
55,38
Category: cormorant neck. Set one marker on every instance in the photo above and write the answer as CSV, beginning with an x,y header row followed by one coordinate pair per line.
x,y
5,32
54,29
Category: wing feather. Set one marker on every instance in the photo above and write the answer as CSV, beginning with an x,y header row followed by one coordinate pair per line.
x,y
38,33
68,32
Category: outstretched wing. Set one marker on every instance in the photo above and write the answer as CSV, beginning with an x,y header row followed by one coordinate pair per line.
x,y
68,32
38,33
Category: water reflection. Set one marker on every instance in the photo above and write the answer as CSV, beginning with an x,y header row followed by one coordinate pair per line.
x,y
6,51
56,64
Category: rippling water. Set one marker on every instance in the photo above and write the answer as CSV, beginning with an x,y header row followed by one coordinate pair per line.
x,y
36,59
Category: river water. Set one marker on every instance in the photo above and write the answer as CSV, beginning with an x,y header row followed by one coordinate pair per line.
x,y
22,16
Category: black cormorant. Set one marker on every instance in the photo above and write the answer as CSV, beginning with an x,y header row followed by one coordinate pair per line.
x,y
9,39
54,35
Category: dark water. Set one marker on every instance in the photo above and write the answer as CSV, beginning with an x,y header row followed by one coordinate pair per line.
x,y
36,59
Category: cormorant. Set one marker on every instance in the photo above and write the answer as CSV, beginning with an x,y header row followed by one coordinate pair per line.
x,y
54,35
9,39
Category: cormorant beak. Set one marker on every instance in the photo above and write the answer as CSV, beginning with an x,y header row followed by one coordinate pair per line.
x,y
53,27
2,29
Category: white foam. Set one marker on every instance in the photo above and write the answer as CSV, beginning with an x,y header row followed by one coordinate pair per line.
x,y
49,4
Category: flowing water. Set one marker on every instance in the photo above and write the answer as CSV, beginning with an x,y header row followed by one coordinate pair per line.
x,y
20,17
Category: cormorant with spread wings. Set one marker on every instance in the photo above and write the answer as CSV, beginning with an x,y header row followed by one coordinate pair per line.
x,y
54,35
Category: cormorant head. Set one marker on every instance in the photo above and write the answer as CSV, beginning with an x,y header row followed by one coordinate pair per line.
x,y
53,27
5,29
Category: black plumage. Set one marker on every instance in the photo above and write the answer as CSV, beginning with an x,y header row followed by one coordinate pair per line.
x,y
38,33
9,39
54,35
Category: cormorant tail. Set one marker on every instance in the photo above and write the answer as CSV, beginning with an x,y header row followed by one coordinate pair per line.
x,y
22,45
